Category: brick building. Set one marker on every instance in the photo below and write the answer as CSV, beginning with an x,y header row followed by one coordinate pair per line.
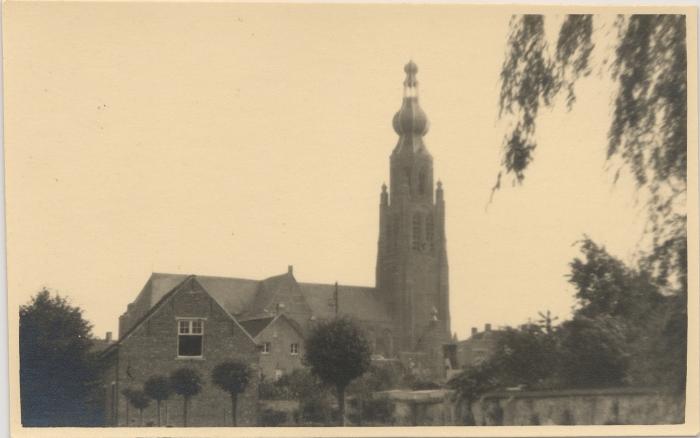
x,y
478,347
199,321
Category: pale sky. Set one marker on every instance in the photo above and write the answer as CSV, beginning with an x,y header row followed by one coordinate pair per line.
x,y
234,140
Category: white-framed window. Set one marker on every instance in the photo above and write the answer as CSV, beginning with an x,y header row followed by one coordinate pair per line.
x,y
294,348
190,337
267,347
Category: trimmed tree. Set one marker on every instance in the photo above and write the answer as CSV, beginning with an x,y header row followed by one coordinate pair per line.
x,y
140,401
158,388
126,392
187,383
233,377
337,352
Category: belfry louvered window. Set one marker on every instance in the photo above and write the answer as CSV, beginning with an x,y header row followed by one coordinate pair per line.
x,y
430,231
416,241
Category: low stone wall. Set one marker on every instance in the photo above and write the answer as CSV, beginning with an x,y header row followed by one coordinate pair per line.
x,y
520,408
581,407
432,407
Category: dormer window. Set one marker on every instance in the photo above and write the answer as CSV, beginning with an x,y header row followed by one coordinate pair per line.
x,y
190,337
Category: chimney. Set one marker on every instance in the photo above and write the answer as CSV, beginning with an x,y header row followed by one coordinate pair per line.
x,y
474,331
280,308
290,269
487,327
108,337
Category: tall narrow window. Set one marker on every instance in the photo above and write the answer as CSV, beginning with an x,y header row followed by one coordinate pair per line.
x,y
387,234
395,228
267,348
430,231
416,242
190,337
294,348
421,183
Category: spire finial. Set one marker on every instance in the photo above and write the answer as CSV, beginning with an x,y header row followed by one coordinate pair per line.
x,y
410,119
411,69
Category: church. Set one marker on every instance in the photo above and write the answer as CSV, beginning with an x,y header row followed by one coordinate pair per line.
x,y
198,321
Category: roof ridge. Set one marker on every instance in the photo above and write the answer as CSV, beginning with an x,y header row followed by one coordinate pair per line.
x,y
333,285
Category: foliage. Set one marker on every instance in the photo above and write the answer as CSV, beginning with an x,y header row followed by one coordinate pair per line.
x,y
654,324
271,417
624,332
648,129
58,372
594,352
337,352
376,378
233,377
187,383
139,399
372,411
606,286
159,389
317,410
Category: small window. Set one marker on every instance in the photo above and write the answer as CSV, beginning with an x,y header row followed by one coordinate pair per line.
x,y
267,348
190,337
294,348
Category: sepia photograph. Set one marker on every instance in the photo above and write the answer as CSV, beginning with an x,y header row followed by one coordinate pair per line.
x,y
328,219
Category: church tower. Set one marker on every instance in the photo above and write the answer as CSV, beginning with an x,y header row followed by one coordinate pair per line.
x,y
412,272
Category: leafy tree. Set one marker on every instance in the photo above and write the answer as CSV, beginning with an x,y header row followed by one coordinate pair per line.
x,y
158,388
337,352
606,286
647,134
139,400
471,384
595,352
369,407
187,383
233,377
654,324
58,372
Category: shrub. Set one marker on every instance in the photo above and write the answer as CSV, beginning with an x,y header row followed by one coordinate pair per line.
x,y
272,417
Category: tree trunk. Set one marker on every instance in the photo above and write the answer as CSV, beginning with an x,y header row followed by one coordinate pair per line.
x,y
158,407
184,411
141,417
167,420
234,405
128,422
341,404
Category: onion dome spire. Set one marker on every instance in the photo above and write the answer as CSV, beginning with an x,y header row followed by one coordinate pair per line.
x,y
410,121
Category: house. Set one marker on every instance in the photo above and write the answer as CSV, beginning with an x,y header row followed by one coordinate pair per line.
x,y
281,342
478,347
198,321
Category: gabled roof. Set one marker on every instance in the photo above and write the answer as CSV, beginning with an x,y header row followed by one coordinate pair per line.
x,y
164,298
269,289
251,298
255,326
363,303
